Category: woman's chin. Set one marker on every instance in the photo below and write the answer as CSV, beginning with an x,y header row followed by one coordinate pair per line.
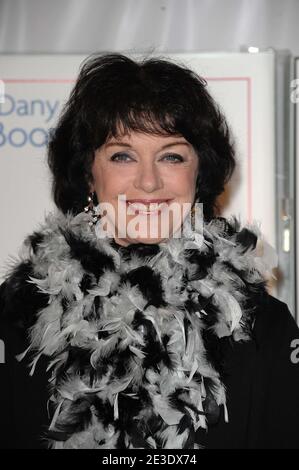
x,y
150,241
147,240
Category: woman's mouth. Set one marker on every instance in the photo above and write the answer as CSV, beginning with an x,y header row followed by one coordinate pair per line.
x,y
148,207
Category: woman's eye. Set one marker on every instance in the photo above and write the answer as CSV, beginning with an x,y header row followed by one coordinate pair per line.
x,y
173,157
119,157
124,157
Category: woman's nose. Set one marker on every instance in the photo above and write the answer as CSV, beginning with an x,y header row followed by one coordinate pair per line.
x,y
148,177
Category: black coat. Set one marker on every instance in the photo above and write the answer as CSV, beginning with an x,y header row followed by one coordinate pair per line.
x,y
262,381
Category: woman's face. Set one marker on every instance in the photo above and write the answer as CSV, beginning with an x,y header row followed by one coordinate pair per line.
x,y
145,167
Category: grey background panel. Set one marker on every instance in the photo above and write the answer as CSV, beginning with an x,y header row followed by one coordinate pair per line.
x,y
173,25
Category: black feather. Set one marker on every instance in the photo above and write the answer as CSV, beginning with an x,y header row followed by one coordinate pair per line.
x,y
91,259
141,249
86,283
20,299
149,283
202,260
35,239
247,239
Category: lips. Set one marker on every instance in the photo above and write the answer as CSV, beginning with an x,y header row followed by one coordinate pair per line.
x,y
148,206
148,201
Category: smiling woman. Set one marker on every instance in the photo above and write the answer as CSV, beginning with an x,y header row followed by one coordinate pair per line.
x,y
159,102
148,170
149,341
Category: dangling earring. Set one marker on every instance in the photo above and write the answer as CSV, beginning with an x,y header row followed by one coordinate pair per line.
x,y
192,216
90,208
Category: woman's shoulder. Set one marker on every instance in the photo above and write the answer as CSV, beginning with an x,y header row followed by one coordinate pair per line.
x,y
20,299
275,311
22,396
275,327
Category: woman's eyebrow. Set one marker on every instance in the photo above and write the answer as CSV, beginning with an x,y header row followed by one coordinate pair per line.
x,y
172,144
125,144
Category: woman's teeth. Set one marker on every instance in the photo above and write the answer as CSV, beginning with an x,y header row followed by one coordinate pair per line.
x,y
145,208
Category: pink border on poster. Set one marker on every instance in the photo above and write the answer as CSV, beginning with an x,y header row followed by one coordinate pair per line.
x,y
248,83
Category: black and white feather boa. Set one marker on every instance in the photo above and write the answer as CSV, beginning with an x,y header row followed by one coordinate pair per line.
x,y
131,334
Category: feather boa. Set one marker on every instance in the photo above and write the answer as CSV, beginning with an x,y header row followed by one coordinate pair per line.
x,y
131,333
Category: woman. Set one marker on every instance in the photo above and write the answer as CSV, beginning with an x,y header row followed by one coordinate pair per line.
x,y
137,336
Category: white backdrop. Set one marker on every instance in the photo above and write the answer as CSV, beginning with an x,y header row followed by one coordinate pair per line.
x,y
36,87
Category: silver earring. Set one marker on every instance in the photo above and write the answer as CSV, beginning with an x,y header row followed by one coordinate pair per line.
x,y
90,209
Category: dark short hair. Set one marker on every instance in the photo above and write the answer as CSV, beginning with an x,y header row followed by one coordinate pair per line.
x,y
151,95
